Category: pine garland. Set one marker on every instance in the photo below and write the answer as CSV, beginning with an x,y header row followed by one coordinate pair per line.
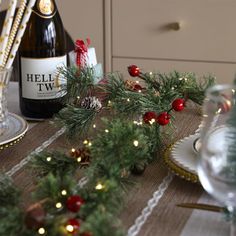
x,y
119,148
160,91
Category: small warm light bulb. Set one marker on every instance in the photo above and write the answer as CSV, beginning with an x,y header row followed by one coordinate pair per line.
x,y
128,100
152,121
180,79
140,91
99,186
85,142
79,159
58,205
73,150
219,111
106,130
185,79
78,97
228,102
64,192
94,126
41,231
49,159
150,73
90,144
233,90
135,143
70,228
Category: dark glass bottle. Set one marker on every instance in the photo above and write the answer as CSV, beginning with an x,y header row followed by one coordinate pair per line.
x,y
42,50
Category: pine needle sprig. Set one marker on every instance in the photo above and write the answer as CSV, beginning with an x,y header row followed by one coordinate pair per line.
x,y
53,162
154,139
12,221
122,146
9,194
50,188
76,120
131,104
128,102
110,197
114,87
151,81
102,223
178,84
196,91
79,82
12,217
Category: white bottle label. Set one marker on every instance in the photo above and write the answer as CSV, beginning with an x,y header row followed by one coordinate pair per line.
x,y
41,78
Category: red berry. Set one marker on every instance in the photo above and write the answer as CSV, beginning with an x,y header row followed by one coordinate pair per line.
x,y
75,224
137,87
178,104
73,203
134,71
163,118
149,117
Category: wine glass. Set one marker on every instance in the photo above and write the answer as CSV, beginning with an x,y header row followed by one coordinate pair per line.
x,y
217,165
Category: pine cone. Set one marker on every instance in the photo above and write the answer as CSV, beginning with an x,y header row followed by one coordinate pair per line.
x,y
91,103
35,216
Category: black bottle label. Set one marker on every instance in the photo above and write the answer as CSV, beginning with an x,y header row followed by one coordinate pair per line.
x,y
40,78
45,9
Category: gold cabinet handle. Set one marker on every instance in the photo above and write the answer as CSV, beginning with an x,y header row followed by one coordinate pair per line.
x,y
174,26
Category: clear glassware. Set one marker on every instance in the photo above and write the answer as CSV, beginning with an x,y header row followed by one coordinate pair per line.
x,y
5,76
217,165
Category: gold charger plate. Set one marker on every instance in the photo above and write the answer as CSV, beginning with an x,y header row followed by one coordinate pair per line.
x,y
182,159
15,132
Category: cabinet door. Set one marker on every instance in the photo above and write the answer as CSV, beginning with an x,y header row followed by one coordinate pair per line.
x,y
202,30
84,19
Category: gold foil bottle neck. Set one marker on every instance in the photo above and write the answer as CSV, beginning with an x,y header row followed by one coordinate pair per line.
x,y
46,7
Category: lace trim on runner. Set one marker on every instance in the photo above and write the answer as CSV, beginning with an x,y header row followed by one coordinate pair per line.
x,y
151,204
39,149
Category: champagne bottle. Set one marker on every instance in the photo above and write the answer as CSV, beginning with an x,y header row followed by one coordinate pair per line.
x,y
42,51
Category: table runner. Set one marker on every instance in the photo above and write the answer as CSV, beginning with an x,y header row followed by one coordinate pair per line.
x,y
164,219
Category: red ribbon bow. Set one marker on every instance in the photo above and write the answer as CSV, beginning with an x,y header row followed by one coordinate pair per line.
x,y
81,49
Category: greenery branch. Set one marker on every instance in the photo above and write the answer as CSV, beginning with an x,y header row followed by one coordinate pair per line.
x,y
116,152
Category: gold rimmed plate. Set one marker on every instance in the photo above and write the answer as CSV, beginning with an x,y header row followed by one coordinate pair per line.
x,y
15,132
182,159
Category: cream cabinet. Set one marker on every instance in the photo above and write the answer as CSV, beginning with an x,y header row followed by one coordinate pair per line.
x,y
165,35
